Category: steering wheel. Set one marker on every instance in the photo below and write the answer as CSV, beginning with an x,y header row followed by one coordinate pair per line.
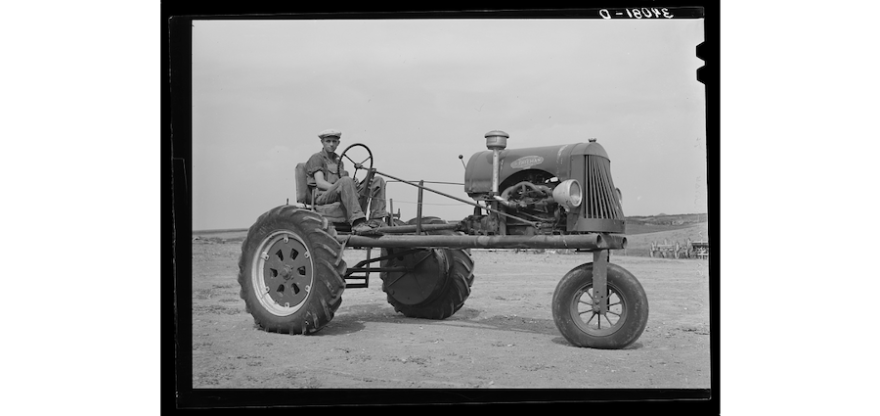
x,y
353,158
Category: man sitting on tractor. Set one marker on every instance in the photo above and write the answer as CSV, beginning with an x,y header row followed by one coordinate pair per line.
x,y
323,173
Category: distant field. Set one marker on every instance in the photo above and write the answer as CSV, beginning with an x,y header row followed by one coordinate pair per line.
x,y
640,244
221,235
633,229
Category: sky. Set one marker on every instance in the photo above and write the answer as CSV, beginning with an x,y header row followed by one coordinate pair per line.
x,y
419,93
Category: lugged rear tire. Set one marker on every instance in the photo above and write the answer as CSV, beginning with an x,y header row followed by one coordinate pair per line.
x,y
290,271
454,283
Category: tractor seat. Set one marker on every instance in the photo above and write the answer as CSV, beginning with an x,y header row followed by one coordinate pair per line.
x,y
334,212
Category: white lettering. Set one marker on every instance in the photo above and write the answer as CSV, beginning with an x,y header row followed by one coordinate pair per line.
x,y
666,13
604,13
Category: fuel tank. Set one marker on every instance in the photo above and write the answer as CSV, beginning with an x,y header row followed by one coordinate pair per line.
x,y
555,160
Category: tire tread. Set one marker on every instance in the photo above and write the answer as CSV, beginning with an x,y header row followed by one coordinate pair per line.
x,y
324,299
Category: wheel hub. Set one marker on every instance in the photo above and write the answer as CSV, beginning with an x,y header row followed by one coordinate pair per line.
x,y
587,313
285,272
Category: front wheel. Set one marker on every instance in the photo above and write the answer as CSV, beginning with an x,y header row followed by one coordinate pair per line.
x,y
578,318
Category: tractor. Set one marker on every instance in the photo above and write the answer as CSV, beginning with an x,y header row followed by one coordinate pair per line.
x,y
292,272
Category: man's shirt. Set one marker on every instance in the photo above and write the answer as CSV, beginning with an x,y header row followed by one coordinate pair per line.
x,y
325,163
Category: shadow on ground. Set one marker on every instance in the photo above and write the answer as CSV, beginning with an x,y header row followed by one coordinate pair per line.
x,y
354,318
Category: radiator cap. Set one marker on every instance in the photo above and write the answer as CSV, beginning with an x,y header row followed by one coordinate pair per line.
x,y
594,149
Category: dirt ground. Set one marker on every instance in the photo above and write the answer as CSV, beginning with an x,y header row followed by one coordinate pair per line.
x,y
503,337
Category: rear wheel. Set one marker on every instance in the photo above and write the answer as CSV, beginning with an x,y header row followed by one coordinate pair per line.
x,y
579,320
290,271
437,283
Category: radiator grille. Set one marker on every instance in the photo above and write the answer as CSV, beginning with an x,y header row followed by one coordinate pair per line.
x,y
601,200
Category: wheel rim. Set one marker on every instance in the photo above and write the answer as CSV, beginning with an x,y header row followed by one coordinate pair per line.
x,y
283,273
585,313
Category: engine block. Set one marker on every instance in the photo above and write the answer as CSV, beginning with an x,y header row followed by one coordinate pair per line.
x,y
527,180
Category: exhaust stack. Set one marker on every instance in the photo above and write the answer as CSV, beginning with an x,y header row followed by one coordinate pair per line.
x,y
496,141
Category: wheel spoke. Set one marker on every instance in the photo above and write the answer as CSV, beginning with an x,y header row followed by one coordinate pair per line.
x,y
369,157
609,321
277,256
272,258
591,318
270,278
301,276
614,313
297,261
268,275
300,260
287,249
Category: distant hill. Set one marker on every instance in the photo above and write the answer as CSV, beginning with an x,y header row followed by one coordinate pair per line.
x,y
662,222
642,230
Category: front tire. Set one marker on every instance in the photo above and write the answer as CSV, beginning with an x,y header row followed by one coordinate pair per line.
x,y
290,271
581,325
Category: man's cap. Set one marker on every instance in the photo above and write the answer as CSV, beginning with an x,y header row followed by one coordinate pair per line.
x,y
330,133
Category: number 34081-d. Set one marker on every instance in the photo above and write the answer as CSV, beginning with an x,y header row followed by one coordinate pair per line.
x,y
642,13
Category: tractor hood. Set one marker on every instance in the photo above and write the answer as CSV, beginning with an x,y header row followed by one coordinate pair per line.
x,y
555,160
